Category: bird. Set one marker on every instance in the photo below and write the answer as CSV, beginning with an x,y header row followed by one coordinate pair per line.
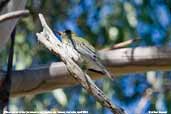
x,y
90,59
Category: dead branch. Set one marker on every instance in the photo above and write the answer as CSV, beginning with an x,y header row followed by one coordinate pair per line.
x,y
121,61
8,26
122,44
13,14
69,55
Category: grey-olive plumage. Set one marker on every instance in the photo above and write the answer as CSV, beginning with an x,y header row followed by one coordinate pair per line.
x,y
90,59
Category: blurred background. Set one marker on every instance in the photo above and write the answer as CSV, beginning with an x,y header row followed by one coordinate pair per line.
x,y
103,23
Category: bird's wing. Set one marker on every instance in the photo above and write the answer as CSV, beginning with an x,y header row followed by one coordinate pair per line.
x,y
85,48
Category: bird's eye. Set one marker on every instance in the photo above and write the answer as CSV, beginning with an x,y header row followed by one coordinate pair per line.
x,y
94,56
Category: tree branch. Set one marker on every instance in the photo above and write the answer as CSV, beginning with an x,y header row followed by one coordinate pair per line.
x,y
122,44
69,56
8,26
120,61
14,14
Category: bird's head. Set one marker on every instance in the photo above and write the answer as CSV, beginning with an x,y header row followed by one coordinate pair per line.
x,y
65,34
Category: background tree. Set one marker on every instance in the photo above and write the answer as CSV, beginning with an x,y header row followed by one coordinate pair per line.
x,y
103,23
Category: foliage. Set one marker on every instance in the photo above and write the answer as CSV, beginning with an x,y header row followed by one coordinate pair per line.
x,y
103,23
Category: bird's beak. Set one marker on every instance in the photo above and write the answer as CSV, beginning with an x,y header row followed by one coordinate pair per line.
x,y
59,33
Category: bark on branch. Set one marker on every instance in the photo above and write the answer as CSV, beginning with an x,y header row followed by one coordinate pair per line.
x,y
69,56
14,14
120,61
8,26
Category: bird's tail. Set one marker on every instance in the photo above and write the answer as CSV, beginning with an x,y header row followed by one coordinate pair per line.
x,y
107,73
98,67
